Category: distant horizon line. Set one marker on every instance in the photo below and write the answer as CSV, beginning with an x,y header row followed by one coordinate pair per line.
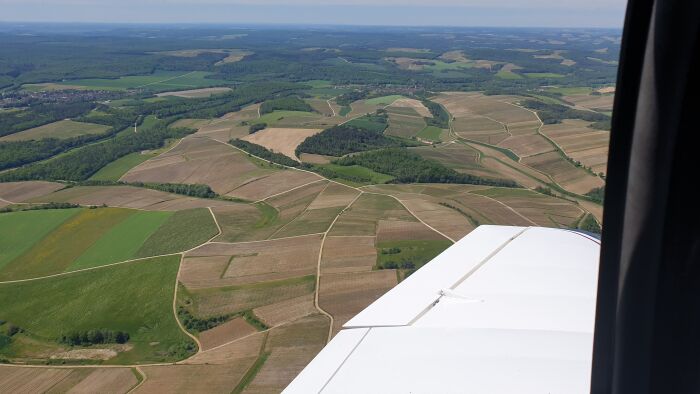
x,y
300,25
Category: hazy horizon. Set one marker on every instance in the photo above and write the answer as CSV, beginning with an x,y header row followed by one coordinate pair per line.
x,y
446,13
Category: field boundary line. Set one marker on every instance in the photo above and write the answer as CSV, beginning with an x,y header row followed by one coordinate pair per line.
x,y
143,380
215,222
505,205
160,154
306,209
414,215
287,191
330,106
318,265
166,80
262,240
177,282
89,268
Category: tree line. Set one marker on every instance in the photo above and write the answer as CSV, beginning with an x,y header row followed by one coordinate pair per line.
x,y
409,167
18,153
262,152
38,115
555,113
82,163
94,337
291,103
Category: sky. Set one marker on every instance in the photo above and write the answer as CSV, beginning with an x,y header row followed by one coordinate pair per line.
x,y
494,13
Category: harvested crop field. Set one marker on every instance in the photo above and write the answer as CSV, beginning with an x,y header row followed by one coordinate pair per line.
x,y
309,222
199,160
286,311
394,230
348,254
315,159
487,211
603,102
460,157
478,128
566,174
230,353
493,107
15,192
581,143
406,126
217,264
413,104
15,379
283,141
440,217
266,186
130,197
344,295
290,348
544,210
225,333
362,217
61,130
195,378
528,144
195,93
237,221
231,299
334,195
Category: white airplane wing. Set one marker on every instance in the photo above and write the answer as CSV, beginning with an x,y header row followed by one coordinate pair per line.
x,y
504,310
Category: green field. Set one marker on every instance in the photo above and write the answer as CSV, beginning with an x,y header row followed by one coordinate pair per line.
x,y
122,241
20,230
384,100
360,172
116,169
158,81
567,91
181,231
232,299
286,118
544,75
504,74
134,297
61,130
408,255
431,133
318,83
56,251
497,192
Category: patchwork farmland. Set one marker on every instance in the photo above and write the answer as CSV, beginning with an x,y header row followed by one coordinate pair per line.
x,y
274,186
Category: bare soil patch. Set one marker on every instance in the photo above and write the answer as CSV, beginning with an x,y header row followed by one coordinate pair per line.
x,y
198,160
270,185
106,380
287,310
291,348
348,254
441,218
315,159
392,230
413,104
195,93
344,295
215,265
227,332
283,141
23,191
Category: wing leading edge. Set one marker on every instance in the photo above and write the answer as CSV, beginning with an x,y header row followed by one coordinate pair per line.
x,y
503,310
